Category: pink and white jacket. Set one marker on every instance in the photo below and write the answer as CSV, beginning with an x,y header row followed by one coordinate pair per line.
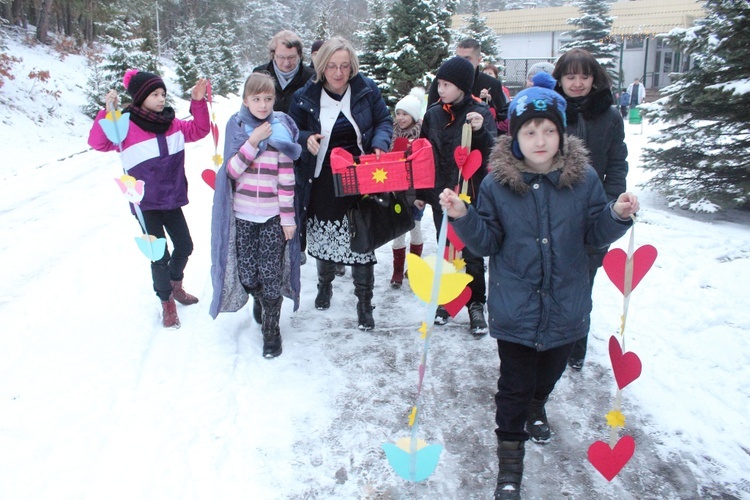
x,y
157,159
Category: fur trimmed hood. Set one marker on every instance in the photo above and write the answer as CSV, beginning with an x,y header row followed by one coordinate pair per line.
x,y
569,168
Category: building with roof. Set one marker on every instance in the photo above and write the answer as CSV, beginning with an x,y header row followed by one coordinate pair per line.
x,y
536,34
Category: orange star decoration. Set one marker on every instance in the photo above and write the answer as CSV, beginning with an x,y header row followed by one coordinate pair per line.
x,y
380,175
218,160
465,197
615,418
412,416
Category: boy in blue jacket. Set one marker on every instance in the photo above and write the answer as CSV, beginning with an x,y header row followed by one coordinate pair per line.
x,y
538,208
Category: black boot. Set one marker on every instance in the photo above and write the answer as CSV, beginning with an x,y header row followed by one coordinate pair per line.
x,y
364,281
257,304
477,323
510,456
270,327
536,423
326,273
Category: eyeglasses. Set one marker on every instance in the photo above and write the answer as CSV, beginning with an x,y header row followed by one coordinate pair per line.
x,y
286,58
343,68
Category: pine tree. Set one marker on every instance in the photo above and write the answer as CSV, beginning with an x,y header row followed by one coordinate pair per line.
x,y
418,38
223,69
375,40
593,34
188,54
703,163
477,29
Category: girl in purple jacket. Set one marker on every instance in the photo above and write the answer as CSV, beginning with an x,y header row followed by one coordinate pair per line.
x,y
154,152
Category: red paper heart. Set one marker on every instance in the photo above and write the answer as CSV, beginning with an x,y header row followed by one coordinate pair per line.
x,y
209,176
614,265
215,133
400,144
627,367
459,155
473,162
610,461
454,239
454,307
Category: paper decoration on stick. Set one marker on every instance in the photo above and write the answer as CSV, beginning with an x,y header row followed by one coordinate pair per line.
x,y
209,175
609,461
625,270
115,126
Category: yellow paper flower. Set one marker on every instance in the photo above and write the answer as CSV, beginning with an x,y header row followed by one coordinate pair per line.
x,y
465,197
423,330
459,264
615,419
412,416
217,159
422,273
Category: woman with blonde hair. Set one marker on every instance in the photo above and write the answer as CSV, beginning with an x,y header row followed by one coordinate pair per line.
x,y
338,107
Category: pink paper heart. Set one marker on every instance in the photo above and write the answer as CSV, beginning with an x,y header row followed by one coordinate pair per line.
x,y
472,164
209,176
215,133
627,367
615,260
454,307
459,155
454,239
610,461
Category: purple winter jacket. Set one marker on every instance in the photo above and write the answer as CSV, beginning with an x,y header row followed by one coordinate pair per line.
x,y
157,159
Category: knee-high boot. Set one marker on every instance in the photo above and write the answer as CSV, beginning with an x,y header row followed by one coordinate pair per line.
x,y
326,273
510,457
364,282
399,257
270,327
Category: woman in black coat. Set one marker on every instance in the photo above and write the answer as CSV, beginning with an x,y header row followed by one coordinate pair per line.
x,y
592,117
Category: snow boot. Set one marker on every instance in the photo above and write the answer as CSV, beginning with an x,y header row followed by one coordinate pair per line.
x,y
340,270
326,274
270,327
181,296
169,317
364,282
441,316
536,423
257,304
416,250
510,456
477,323
399,257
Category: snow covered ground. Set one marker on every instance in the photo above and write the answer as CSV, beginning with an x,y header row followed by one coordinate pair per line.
x,y
98,401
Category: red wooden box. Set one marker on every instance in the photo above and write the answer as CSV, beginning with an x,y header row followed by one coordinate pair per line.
x,y
396,171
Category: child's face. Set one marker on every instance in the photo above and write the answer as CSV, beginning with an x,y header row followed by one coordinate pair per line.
x,y
404,119
577,84
539,144
260,105
448,92
155,101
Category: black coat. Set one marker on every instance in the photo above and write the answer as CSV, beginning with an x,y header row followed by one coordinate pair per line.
x,y
595,121
284,96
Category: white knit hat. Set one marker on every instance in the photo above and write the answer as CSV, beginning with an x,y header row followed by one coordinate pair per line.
x,y
411,105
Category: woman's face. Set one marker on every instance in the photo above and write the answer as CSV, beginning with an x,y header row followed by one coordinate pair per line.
x,y
576,84
337,71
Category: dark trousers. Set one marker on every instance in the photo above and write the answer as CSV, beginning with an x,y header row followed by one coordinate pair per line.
x,y
170,267
579,347
624,111
525,373
474,263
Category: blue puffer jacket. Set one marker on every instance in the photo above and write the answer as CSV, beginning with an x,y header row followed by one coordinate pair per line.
x,y
369,111
535,228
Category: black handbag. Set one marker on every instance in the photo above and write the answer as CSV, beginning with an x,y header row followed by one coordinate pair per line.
x,y
376,219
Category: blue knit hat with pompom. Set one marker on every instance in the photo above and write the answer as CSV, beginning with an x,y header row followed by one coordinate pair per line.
x,y
539,101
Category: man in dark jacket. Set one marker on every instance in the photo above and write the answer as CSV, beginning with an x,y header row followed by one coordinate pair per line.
x,y
485,87
286,67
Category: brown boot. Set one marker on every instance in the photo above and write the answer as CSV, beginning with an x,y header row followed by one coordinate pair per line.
x,y
169,317
399,257
181,296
